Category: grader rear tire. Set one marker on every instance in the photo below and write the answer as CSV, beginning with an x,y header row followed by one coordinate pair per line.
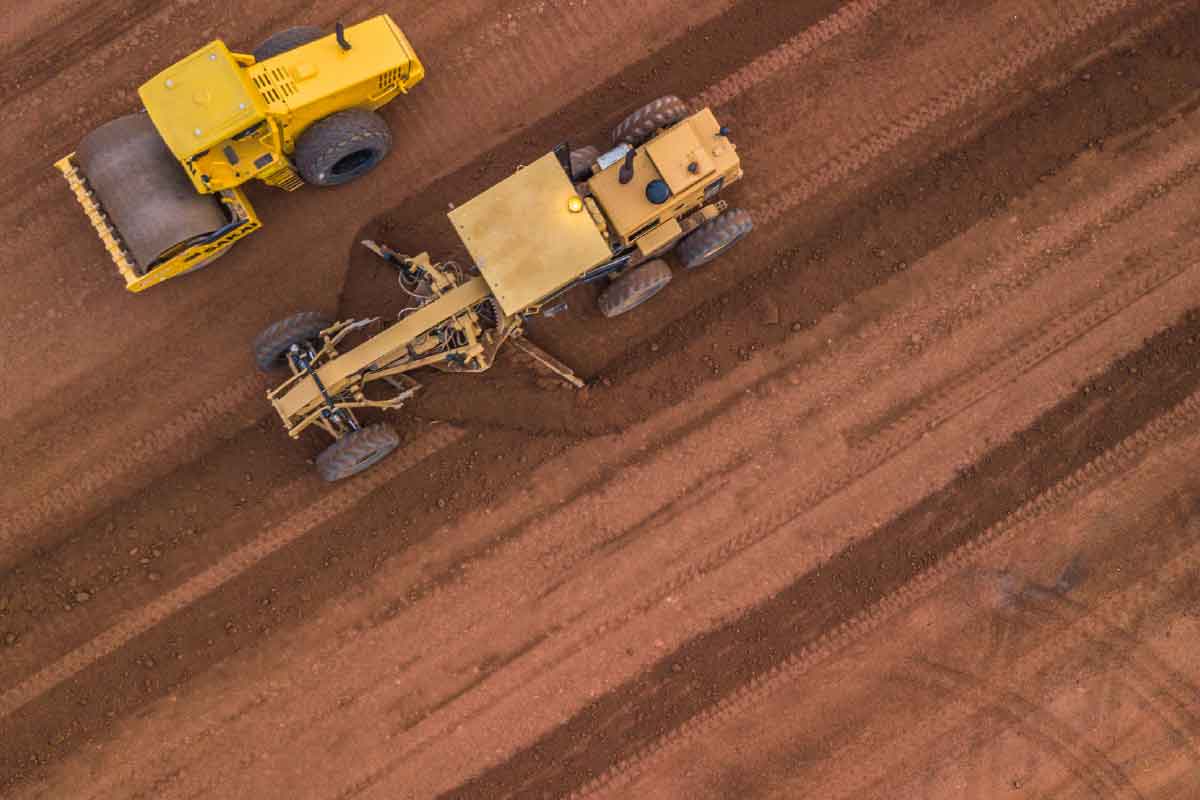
x,y
634,287
287,39
638,127
341,147
713,238
356,451
271,346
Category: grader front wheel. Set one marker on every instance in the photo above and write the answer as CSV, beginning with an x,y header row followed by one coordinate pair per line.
x,y
356,451
272,345
342,147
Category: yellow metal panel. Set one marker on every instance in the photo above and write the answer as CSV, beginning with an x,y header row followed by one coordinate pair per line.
x,y
379,350
674,151
524,239
319,78
695,139
626,204
201,101
654,241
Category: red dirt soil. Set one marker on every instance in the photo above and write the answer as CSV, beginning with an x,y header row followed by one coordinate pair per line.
x,y
896,499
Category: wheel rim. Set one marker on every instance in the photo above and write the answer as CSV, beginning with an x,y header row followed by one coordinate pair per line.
x,y
354,162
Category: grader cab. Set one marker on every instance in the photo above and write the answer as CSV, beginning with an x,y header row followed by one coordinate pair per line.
x,y
570,217
161,186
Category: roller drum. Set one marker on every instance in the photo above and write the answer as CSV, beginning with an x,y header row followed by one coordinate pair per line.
x,y
143,190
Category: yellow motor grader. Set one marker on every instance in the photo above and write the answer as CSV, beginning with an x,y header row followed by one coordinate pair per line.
x,y
161,186
568,218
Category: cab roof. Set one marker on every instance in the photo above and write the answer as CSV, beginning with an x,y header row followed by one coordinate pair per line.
x,y
202,100
523,237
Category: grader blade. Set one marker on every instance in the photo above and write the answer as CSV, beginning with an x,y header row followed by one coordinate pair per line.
x,y
128,181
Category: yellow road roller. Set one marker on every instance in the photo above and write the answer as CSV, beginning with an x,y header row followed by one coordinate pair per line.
x,y
570,217
161,186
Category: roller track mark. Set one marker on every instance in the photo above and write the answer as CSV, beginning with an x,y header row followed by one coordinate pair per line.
x,y
1115,462
71,496
962,91
335,502
846,19
1085,761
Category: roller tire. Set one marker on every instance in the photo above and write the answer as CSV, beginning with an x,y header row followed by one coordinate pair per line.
x,y
287,39
356,451
342,147
634,287
713,238
581,162
271,346
638,127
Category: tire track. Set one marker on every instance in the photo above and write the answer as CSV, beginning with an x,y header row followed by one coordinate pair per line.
x,y
1080,629
70,496
947,101
845,20
1085,761
43,57
1116,462
139,621
1158,684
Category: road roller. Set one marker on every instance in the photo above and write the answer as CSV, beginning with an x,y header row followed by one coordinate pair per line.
x,y
568,218
162,186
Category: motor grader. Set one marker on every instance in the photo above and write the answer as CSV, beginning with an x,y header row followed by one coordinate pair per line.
x,y
161,186
568,218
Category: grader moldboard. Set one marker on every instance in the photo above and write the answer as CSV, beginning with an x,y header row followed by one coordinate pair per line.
x,y
570,217
161,187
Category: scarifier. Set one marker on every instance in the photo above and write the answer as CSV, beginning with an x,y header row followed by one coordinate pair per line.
x,y
568,218
161,186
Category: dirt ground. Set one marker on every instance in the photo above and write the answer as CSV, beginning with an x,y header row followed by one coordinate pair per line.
x,y
898,499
